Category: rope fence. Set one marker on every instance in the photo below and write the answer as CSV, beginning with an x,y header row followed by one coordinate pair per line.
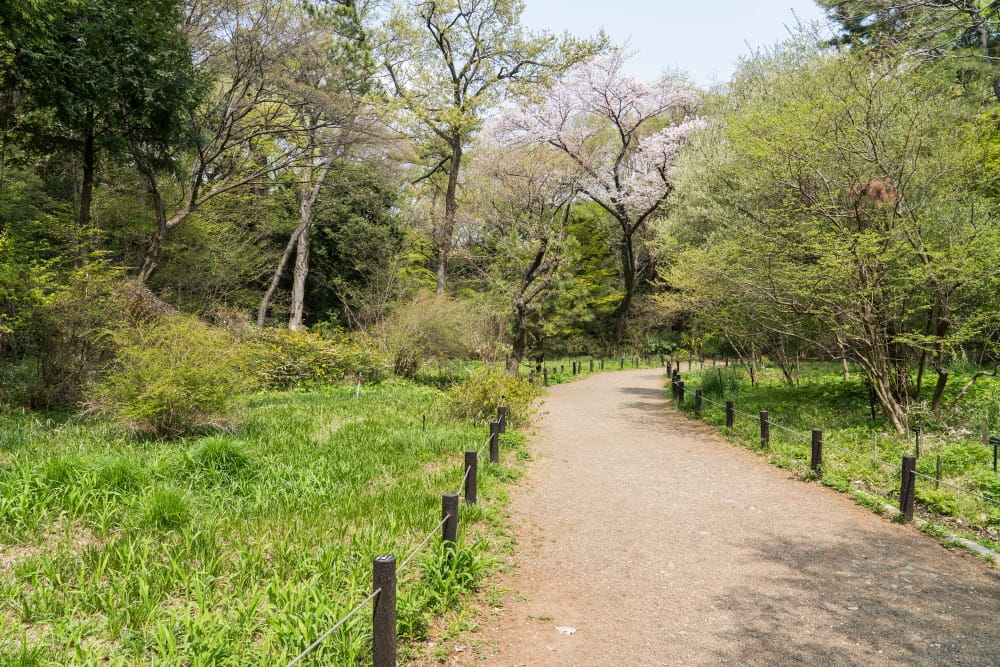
x,y
908,475
385,571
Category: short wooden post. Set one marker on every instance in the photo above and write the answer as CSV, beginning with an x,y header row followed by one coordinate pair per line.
x,y
765,429
449,513
730,414
689,362
494,442
423,422
937,472
907,487
816,460
916,432
621,364
602,364
384,611
545,376
471,465
680,393
502,418
697,402
996,445
591,365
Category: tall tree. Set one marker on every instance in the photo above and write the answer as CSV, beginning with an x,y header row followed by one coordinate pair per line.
x,y
245,132
99,75
325,77
449,63
524,197
965,30
840,202
623,136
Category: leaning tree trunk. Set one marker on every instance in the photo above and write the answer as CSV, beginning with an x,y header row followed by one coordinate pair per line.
x,y
519,344
299,275
447,227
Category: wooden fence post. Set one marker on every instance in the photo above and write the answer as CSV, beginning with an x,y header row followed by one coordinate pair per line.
x,y
816,460
502,418
471,467
907,486
494,442
384,611
765,429
449,509
730,414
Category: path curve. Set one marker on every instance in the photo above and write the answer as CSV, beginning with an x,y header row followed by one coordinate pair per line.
x,y
661,544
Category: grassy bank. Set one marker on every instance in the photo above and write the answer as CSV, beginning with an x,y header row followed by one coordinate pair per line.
x,y
863,454
230,549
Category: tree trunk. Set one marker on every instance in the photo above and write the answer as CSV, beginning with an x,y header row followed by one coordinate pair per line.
x,y
151,259
628,278
87,188
299,280
276,278
312,183
450,209
519,344
892,409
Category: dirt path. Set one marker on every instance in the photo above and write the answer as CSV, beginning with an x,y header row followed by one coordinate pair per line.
x,y
661,544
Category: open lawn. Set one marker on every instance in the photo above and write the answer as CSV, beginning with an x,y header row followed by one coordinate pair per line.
x,y
235,548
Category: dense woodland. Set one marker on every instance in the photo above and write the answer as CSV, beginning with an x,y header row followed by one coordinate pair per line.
x,y
306,189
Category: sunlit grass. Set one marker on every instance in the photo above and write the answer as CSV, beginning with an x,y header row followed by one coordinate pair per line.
x,y
230,548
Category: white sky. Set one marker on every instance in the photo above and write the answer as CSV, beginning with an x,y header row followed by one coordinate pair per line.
x,y
704,39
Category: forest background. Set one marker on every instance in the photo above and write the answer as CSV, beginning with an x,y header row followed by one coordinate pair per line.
x,y
242,193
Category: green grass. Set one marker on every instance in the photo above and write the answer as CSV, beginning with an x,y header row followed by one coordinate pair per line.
x,y
232,549
856,444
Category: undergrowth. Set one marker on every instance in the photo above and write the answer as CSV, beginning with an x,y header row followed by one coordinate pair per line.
x,y
236,548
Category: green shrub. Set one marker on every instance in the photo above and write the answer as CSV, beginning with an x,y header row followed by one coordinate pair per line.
x,y
433,327
171,377
280,358
479,396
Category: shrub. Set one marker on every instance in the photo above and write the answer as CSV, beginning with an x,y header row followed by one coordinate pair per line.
x,y
171,377
479,396
282,358
428,327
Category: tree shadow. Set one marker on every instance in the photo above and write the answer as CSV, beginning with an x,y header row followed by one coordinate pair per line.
x,y
874,594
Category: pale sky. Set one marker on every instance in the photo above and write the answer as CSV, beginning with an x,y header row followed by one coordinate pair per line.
x,y
704,39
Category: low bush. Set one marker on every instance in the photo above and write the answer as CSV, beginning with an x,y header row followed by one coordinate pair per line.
x,y
281,358
171,377
479,396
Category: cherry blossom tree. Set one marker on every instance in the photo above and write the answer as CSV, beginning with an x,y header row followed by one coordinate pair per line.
x,y
623,136
522,197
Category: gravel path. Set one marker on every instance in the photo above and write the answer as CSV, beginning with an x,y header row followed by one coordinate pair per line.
x,y
661,544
